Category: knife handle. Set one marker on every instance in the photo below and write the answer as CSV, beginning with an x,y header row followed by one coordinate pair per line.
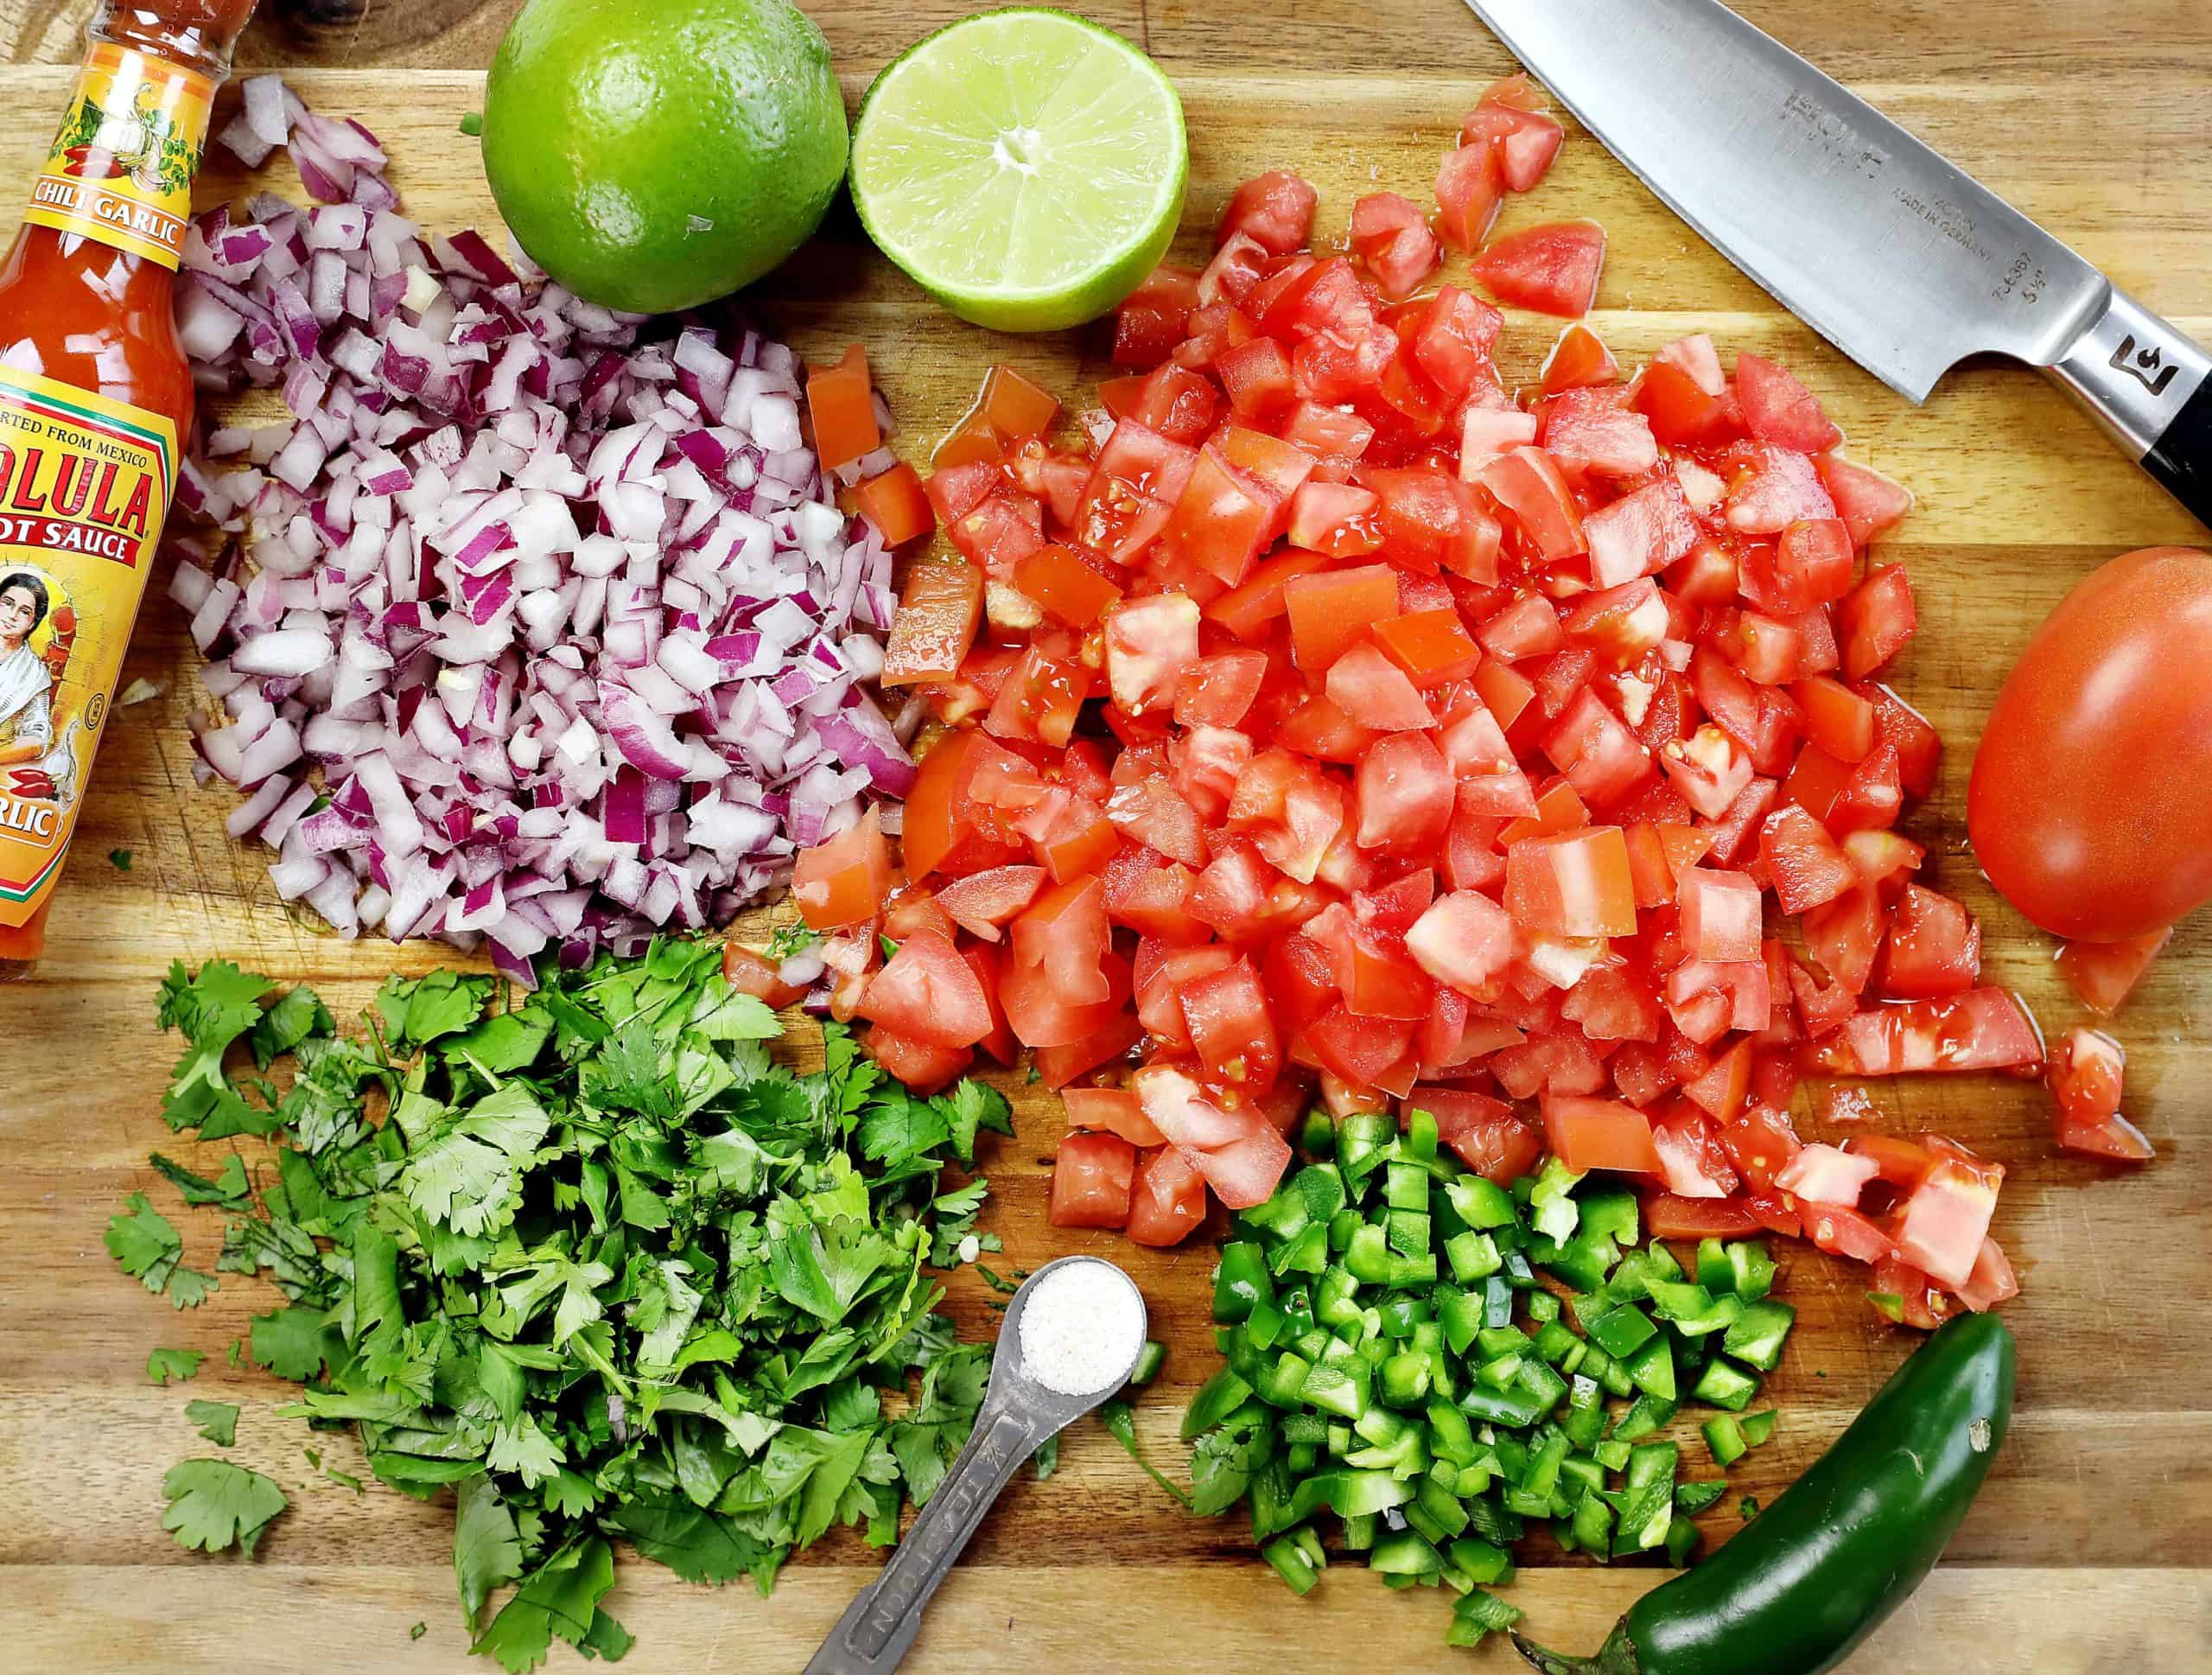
x,y
2151,388
2182,458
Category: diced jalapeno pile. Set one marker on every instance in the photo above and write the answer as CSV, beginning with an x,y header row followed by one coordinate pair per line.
x,y
1395,1358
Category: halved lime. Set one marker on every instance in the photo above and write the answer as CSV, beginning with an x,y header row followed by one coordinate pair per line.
x,y
1024,167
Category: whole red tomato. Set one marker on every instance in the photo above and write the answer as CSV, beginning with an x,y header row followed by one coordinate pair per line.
x,y
2091,803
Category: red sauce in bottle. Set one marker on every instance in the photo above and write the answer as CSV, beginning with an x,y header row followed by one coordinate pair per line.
x,y
95,402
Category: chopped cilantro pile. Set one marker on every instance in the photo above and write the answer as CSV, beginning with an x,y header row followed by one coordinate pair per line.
x,y
593,1265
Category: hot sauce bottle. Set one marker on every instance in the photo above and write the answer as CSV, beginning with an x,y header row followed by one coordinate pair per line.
x,y
95,399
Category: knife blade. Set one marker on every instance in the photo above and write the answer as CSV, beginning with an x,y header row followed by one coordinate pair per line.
x,y
1895,256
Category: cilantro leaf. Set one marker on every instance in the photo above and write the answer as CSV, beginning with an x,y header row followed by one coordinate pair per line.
x,y
486,1551
663,1311
501,1378
465,1174
954,1388
212,1010
839,1461
218,1421
964,1203
286,1250
378,1313
607,1637
821,1267
231,1189
971,1106
214,1504
295,1016
218,1001
954,1218
724,1015
642,1207
561,1597
893,1130
924,1453
795,937
1120,1420
521,1447
851,1405
848,1076
629,1073
927,1442
697,1544
190,1288
505,1042
1221,1470
295,1342
443,1004
162,1364
565,1492
838,1191
144,1242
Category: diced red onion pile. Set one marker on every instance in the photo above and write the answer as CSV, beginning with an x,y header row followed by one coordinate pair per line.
x,y
557,609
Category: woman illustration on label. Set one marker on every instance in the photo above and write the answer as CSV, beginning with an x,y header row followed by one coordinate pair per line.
x,y
33,767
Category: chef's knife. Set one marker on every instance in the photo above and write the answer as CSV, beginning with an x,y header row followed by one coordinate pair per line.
x,y
1901,260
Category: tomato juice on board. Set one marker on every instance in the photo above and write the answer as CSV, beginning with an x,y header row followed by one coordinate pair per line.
x,y
95,400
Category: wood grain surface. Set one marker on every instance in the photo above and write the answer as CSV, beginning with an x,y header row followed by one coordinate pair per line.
x,y
2086,1553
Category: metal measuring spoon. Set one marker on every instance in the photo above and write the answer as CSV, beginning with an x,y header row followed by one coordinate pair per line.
x,y
1018,1416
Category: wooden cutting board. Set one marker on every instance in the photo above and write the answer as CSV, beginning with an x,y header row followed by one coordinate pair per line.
x,y
2086,1550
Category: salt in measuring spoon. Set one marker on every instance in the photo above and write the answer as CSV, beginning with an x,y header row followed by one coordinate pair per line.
x,y
1019,1414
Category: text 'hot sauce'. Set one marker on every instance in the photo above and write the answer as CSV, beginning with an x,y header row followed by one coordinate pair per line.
x,y
95,399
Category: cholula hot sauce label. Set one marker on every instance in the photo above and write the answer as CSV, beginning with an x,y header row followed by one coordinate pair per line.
x,y
84,485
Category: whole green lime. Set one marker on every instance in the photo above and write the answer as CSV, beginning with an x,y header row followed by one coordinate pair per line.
x,y
654,155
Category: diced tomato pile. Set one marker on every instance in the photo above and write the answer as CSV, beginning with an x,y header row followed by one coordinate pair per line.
x,y
1334,725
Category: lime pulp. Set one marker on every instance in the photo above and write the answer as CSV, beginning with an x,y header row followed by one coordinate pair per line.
x,y
1025,167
